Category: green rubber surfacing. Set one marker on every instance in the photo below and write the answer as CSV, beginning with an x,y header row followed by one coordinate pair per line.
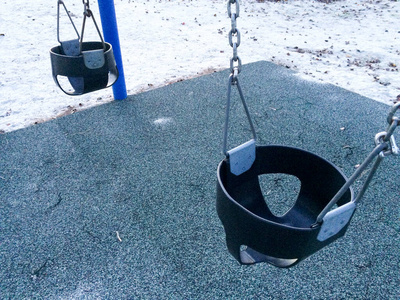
x,y
118,201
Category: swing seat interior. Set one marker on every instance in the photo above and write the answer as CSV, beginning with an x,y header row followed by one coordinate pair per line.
x,y
253,233
80,72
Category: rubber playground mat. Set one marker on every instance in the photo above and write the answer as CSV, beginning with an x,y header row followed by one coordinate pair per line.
x,y
118,201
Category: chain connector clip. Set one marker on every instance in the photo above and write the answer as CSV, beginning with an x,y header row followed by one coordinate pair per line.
x,y
87,14
86,8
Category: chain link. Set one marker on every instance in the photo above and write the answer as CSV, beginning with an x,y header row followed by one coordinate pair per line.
x,y
387,136
234,38
87,13
86,8
391,117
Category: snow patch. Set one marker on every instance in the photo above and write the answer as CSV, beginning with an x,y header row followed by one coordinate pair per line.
x,y
163,122
351,44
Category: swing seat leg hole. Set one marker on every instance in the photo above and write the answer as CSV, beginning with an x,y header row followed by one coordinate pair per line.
x,y
71,85
280,192
249,256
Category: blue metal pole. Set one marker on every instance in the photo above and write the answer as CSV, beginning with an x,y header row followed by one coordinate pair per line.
x,y
110,31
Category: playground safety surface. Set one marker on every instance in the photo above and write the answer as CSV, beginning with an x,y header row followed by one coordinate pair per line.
x,y
118,201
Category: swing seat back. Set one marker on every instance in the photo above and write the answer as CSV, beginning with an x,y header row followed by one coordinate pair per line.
x,y
253,233
91,70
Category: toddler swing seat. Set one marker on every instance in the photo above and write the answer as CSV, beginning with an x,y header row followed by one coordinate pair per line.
x,y
254,234
82,67
321,213
92,70
325,203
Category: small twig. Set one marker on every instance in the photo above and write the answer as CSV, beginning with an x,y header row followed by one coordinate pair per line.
x,y
39,271
350,148
118,237
56,204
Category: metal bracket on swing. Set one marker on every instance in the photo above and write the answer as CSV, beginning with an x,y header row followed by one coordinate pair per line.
x,y
69,47
242,157
335,220
93,59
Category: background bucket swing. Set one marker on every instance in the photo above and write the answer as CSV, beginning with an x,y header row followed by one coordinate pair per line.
x,y
84,76
81,67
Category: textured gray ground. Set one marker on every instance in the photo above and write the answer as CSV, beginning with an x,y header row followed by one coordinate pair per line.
x,y
70,185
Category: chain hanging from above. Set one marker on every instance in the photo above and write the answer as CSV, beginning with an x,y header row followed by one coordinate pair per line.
x,y
241,157
87,13
235,62
61,3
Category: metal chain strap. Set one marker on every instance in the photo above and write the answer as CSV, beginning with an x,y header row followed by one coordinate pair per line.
x,y
385,145
387,136
59,3
235,67
234,38
87,13
86,8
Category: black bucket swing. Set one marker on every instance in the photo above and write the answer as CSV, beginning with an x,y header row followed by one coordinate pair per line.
x,y
82,67
323,209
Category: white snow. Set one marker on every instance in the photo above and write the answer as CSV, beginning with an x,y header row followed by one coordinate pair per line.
x,y
353,44
163,122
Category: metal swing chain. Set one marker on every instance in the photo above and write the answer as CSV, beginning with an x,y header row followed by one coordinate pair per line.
x,y
235,68
87,13
86,8
59,3
235,62
385,146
